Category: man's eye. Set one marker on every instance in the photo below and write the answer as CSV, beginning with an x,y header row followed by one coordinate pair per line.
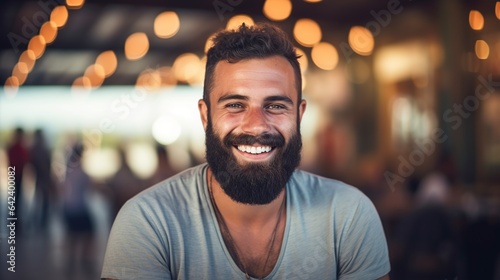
x,y
276,107
234,106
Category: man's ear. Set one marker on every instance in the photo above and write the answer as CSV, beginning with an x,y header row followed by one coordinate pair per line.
x,y
203,108
302,108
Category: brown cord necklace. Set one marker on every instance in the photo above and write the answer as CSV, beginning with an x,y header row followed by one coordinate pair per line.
x,y
229,239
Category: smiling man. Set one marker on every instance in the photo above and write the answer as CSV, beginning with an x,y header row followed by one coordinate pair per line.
x,y
248,213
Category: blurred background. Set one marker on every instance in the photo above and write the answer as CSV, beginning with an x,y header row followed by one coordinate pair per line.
x,y
99,101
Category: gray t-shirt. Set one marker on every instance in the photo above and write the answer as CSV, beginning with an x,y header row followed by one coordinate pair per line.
x,y
170,231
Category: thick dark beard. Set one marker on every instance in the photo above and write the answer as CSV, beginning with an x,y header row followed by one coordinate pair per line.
x,y
253,183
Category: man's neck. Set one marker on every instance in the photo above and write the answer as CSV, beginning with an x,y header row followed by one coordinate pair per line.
x,y
239,214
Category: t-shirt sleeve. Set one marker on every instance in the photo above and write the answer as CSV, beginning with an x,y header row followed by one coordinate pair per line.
x,y
135,249
363,247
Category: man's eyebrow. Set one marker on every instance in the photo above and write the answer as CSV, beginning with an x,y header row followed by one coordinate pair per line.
x,y
245,98
279,98
232,96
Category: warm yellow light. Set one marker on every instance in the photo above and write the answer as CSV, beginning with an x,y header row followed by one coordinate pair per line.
x,y
20,73
361,40
108,61
236,21
167,76
75,4
12,82
307,32
136,46
82,82
476,20
59,16
23,67
186,67
277,9
95,74
166,24
325,56
304,63
149,79
497,10
209,43
37,45
28,58
49,31
482,49
11,86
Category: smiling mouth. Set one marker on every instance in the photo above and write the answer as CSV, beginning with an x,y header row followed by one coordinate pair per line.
x,y
254,149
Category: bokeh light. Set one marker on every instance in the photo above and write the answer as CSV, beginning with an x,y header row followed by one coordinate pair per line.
x,y
482,49
108,61
37,46
476,20
186,67
49,31
95,74
75,4
361,40
325,56
59,16
307,32
166,130
497,10
136,46
28,58
166,24
277,10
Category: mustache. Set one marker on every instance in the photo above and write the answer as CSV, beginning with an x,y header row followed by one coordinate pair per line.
x,y
267,139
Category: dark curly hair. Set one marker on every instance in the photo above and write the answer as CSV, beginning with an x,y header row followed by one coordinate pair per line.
x,y
258,41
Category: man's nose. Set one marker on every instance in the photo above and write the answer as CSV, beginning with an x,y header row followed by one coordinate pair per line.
x,y
255,122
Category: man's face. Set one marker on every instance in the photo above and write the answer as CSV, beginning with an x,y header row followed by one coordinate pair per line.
x,y
252,128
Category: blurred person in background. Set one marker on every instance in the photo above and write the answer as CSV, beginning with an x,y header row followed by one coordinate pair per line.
x,y
76,215
40,159
124,184
18,157
164,168
425,243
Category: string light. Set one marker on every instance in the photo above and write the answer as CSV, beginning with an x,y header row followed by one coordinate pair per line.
x,y
37,46
28,58
59,16
49,31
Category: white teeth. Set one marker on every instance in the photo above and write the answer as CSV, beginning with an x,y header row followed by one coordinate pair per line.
x,y
254,150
